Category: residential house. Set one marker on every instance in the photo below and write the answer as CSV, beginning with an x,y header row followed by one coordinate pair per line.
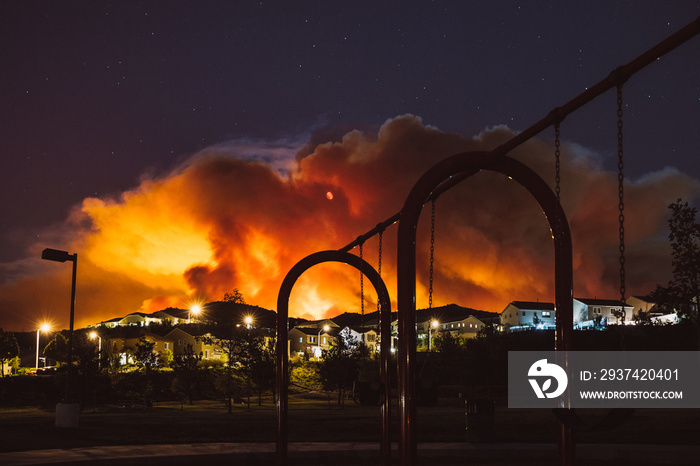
x,y
644,304
111,323
462,328
204,347
174,316
520,315
309,340
358,334
589,311
318,324
124,343
137,319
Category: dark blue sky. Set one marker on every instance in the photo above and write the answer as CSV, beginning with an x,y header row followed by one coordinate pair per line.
x,y
95,94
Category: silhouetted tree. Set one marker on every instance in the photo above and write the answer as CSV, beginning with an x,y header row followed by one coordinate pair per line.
x,y
338,368
234,297
9,349
682,293
144,355
57,348
186,370
146,360
263,366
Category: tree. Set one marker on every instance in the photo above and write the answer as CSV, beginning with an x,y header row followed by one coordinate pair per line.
x,y
535,320
236,349
338,368
57,348
147,360
9,349
682,292
234,297
144,355
186,371
263,366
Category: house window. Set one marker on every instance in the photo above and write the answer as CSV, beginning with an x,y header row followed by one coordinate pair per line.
x,y
312,339
301,339
166,345
596,310
206,354
524,313
371,337
546,314
325,340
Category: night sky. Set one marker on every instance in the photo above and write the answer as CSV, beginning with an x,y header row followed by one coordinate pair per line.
x,y
102,97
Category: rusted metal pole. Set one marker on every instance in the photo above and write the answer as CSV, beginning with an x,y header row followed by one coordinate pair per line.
x,y
282,349
467,164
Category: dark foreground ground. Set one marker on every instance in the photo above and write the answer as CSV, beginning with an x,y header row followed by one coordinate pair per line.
x,y
321,432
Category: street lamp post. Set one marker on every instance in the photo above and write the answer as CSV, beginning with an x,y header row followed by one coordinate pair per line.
x,y
62,256
196,309
43,328
324,329
248,322
94,335
433,325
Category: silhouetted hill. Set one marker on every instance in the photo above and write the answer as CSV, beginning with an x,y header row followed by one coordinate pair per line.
x,y
452,312
224,311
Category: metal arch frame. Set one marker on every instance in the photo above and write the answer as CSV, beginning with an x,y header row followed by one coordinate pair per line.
x,y
282,349
467,164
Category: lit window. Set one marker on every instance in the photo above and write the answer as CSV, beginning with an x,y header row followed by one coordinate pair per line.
x,y
301,339
546,314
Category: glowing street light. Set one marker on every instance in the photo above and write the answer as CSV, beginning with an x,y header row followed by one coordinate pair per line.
x,y
248,321
325,328
44,328
62,256
433,325
195,309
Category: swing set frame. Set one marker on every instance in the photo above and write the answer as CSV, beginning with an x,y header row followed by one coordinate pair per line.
x,y
440,178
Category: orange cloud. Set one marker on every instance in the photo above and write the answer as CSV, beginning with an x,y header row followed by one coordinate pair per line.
x,y
227,219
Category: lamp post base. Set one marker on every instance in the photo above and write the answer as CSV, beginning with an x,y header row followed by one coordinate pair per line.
x,y
67,415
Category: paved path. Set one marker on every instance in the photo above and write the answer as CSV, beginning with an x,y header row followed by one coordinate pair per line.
x,y
341,453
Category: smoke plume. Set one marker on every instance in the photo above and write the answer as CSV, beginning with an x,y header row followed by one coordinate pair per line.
x,y
233,218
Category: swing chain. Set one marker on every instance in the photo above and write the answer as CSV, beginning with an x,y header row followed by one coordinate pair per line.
x,y
557,165
362,287
621,204
432,253
379,265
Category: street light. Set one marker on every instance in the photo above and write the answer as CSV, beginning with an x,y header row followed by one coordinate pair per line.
x,y
195,309
62,256
44,328
325,328
94,335
248,321
433,325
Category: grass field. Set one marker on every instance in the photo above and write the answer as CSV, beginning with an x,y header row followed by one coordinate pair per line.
x,y
315,419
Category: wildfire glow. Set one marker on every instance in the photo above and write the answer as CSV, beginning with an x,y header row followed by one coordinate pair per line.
x,y
218,223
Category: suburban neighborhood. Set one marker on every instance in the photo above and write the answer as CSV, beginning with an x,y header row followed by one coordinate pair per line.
x,y
309,339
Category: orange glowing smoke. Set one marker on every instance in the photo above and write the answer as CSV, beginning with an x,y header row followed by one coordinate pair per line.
x,y
220,222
